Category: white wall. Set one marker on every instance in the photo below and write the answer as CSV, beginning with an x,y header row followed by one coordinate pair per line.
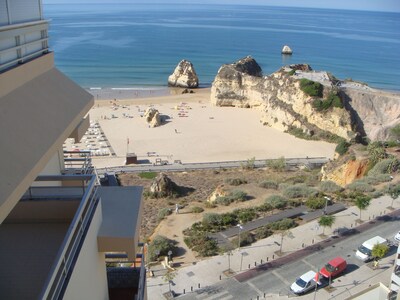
x,y
89,278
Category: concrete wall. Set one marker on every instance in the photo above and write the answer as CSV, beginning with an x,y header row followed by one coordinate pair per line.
x,y
89,278
18,11
53,167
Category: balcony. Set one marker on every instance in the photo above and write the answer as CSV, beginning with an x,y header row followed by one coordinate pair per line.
x,y
126,279
22,42
77,162
41,237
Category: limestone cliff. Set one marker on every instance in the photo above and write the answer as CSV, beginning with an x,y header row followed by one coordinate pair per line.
x,y
286,107
347,172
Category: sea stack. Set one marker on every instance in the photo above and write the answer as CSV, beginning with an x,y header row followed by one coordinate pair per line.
x,y
286,50
184,76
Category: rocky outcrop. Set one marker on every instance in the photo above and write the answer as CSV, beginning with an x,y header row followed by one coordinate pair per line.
x,y
153,117
286,50
184,76
163,186
286,107
218,192
347,172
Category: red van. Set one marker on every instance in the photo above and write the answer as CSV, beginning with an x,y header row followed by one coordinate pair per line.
x,y
334,267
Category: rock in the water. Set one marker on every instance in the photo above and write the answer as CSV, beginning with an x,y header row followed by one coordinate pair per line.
x,y
163,186
152,117
184,76
286,50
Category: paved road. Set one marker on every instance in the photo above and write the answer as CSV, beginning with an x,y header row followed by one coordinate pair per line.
x,y
276,281
308,162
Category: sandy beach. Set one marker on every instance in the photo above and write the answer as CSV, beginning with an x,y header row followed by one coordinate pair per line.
x,y
195,131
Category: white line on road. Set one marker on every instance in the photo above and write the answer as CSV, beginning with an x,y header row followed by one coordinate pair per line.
x,y
311,265
280,277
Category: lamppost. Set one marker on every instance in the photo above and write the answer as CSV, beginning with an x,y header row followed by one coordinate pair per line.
x,y
240,229
326,203
169,254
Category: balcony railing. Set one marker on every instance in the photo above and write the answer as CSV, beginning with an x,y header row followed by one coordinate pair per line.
x,y
22,42
77,162
124,274
64,262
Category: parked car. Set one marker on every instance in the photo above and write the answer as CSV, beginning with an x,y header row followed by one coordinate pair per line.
x,y
304,283
364,252
334,267
397,237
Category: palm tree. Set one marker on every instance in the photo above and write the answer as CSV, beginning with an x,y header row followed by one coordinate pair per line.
x,y
326,221
362,202
394,192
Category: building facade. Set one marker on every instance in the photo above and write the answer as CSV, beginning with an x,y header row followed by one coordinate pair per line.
x,y
62,235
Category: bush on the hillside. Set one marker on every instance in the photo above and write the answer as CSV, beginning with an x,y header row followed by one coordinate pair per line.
x,y
263,232
311,88
377,179
163,213
294,202
277,164
265,207
315,202
385,166
283,224
298,191
329,187
229,219
224,200
276,201
212,219
202,244
360,186
376,194
342,147
197,209
235,181
269,184
238,195
161,245
245,215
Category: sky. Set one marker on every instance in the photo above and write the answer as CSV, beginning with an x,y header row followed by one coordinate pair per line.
x,y
371,5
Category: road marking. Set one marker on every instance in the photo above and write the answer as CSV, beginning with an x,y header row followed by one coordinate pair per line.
x,y
255,288
307,263
220,296
280,277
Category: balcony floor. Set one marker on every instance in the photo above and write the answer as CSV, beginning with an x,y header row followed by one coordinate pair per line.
x,y
27,252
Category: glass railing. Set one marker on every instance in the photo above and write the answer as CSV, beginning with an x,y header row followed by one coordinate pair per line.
x,y
77,162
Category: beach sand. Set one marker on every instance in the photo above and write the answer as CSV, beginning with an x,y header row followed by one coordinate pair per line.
x,y
195,132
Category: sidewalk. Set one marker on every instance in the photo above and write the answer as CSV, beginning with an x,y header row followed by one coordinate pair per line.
x,y
210,271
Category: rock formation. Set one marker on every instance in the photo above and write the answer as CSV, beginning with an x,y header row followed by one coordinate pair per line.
x,y
163,186
218,192
286,50
152,117
346,173
286,107
184,76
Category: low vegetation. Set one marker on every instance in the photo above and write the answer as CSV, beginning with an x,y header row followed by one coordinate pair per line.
x,y
311,88
160,246
332,100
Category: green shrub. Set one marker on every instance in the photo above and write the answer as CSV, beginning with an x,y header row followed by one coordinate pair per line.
x,y
160,244
376,194
291,73
296,179
263,232
265,207
210,205
311,88
224,200
235,181
245,214
148,175
202,244
283,224
385,166
377,179
278,164
315,203
276,201
360,186
229,219
329,187
212,219
269,184
238,195
298,191
163,213
246,238
342,147
197,209
294,202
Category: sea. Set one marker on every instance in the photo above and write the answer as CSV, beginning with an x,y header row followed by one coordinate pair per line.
x,y
137,46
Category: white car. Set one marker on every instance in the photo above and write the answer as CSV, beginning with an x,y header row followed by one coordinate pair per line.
x,y
397,237
304,283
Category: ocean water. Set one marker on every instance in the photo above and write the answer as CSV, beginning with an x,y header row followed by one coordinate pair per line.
x,y
126,45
